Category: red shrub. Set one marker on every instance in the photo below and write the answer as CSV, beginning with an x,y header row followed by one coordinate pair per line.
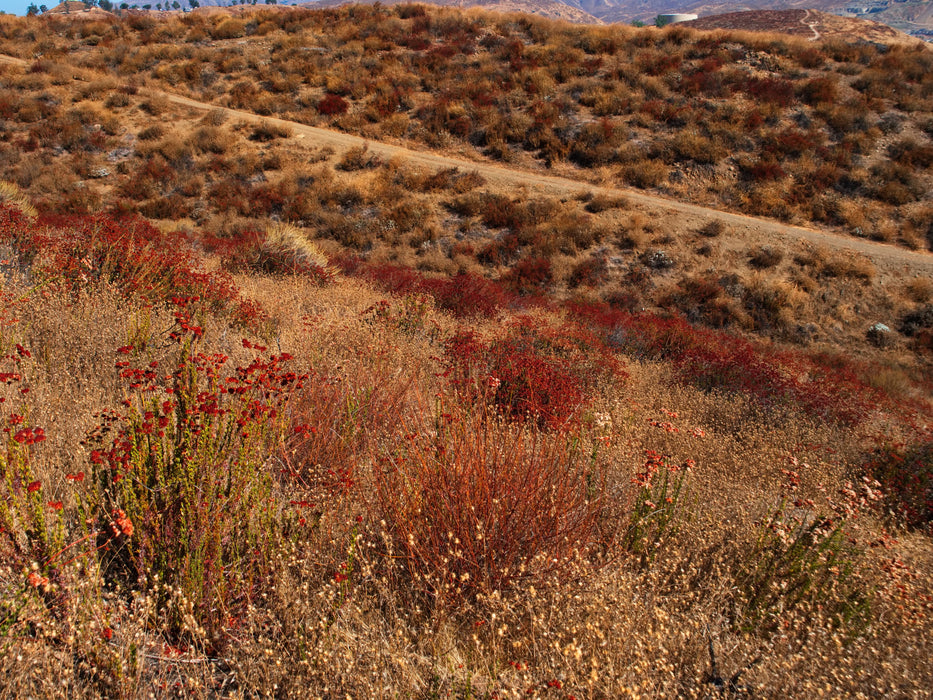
x,y
128,252
415,43
589,273
231,194
387,104
268,199
532,372
483,505
666,112
763,170
464,295
703,81
658,63
501,251
468,294
717,360
774,90
332,104
530,276
819,90
790,143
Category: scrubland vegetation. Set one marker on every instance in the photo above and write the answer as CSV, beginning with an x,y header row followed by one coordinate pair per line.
x,y
833,133
100,144
278,479
281,421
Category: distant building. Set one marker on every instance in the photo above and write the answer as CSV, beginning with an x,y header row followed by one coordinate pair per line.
x,y
674,18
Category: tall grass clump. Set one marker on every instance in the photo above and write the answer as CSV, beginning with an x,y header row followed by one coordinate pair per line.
x,y
12,195
474,506
807,561
280,249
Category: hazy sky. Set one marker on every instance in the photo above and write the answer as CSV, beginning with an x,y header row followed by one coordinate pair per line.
x,y
18,7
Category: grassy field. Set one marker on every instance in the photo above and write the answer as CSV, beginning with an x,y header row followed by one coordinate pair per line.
x,y
280,421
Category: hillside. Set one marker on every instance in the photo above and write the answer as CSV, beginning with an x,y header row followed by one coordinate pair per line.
x,y
906,17
910,17
806,23
870,20
835,136
307,390
797,155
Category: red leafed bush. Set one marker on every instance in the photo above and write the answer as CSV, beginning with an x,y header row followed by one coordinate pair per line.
x,y
589,273
533,372
664,111
530,276
763,170
468,294
464,295
332,104
335,424
75,251
719,361
774,90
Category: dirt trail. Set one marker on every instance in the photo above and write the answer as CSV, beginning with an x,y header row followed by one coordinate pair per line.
x,y
745,229
811,25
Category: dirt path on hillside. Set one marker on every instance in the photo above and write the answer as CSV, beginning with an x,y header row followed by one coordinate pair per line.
x,y
744,229
812,25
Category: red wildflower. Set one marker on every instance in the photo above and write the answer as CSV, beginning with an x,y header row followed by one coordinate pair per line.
x,y
35,580
29,436
75,477
34,486
121,523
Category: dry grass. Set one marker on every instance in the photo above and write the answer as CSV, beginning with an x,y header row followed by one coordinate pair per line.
x,y
10,193
628,624
920,290
592,584
292,242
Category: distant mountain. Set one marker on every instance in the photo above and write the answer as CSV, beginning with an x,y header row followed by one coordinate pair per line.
x,y
912,17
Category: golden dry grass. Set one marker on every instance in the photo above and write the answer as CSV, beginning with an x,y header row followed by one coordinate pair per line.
x,y
651,608
626,627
